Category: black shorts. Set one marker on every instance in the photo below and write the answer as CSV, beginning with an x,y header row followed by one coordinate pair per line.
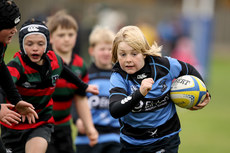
x,y
166,145
2,148
108,147
61,140
15,140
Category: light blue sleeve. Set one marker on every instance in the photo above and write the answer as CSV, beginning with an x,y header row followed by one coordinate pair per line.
x,y
116,80
175,67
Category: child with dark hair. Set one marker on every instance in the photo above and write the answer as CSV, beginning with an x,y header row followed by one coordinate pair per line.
x,y
35,71
63,33
9,18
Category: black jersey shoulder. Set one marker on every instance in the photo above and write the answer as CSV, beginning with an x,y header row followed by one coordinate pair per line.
x,y
117,68
97,73
160,65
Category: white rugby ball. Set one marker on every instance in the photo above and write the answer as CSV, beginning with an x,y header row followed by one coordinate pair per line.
x,y
187,91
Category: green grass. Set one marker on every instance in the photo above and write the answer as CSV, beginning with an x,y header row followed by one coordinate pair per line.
x,y
206,130
11,49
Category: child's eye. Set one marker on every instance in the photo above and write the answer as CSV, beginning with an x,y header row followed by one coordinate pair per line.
x,y
41,44
61,35
29,44
71,35
134,54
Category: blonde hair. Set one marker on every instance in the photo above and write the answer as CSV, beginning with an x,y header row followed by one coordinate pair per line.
x,y
135,38
62,19
101,34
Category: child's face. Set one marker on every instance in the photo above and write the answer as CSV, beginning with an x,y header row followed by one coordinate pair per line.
x,y
102,55
34,46
6,35
63,40
129,59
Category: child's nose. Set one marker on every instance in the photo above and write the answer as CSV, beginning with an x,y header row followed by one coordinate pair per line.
x,y
128,58
35,48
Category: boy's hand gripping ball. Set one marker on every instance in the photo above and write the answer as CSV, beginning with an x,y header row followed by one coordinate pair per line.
x,y
187,91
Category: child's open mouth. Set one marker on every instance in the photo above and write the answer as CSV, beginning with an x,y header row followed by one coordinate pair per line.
x,y
35,56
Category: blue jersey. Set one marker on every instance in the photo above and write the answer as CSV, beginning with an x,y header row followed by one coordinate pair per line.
x,y
147,119
106,125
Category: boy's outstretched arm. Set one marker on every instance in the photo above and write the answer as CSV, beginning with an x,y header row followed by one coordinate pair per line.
x,y
68,75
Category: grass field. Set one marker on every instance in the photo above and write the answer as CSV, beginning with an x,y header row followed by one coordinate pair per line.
x,y
207,130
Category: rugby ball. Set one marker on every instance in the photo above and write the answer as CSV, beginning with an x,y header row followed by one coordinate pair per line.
x,y
187,91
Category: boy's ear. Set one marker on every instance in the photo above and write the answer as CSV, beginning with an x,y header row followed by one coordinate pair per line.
x,y
90,50
51,40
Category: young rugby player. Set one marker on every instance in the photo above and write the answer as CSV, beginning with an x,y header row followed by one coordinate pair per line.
x,y
100,41
9,18
139,94
63,33
35,71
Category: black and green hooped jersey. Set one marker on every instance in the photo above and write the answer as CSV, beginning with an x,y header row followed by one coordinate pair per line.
x,y
36,85
147,119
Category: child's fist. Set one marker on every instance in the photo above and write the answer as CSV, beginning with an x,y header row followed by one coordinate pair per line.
x,y
146,86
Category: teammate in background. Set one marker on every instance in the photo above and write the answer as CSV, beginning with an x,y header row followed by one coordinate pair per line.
x,y
139,94
63,33
100,41
35,71
9,18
